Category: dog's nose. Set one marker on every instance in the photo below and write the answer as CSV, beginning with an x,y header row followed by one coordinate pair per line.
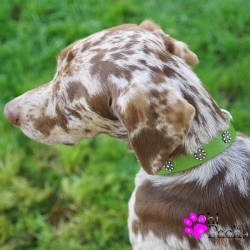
x,y
11,112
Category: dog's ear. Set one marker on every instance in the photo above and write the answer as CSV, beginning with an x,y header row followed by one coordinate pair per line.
x,y
173,46
180,49
156,121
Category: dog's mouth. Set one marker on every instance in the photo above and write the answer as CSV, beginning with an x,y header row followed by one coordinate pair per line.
x,y
68,143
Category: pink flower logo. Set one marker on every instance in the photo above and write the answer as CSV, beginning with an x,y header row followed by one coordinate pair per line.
x,y
198,229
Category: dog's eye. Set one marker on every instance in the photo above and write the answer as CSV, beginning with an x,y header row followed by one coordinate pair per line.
x,y
110,102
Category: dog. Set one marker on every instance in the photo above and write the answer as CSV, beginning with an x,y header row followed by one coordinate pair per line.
x,y
136,84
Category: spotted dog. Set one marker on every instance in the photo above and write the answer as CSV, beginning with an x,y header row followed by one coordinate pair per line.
x,y
136,84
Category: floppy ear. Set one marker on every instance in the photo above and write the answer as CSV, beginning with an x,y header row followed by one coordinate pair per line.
x,y
180,49
173,46
156,121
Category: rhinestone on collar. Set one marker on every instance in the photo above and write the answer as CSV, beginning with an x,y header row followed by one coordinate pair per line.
x,y
169,166
200,154
226,137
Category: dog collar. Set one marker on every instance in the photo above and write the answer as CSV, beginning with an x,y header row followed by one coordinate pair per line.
x,y
221,142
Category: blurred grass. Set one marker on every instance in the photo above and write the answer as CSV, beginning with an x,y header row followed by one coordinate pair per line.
x,y
76,197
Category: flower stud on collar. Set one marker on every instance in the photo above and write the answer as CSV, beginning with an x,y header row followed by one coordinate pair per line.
x,y
200,155
226,137
169,166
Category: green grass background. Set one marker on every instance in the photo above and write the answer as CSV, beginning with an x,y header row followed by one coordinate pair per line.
x,y
58,197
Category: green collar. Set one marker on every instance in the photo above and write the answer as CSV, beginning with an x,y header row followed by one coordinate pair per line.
x,y
222,141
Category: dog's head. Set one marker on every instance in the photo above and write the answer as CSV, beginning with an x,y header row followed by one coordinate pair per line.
x,y
120,82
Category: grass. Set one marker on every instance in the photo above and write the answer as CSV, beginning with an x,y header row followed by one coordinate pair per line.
x,y
74,198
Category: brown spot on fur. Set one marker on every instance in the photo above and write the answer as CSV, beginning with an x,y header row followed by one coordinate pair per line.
x,y
69,69
143,62
133,68
61,119
146,49
147,149
129,46
64,52
85,46
104,69
118,56
76,90
169,43
70,56
134,37
100,105
74,113
157,77
130,52
98,56
57,84
169,72
113,49
46,103
44,124
165,56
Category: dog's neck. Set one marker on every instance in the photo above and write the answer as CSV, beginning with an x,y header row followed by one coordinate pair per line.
x,y
208,121
214,147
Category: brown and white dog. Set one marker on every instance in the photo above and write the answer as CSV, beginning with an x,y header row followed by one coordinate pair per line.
x,y
135,83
